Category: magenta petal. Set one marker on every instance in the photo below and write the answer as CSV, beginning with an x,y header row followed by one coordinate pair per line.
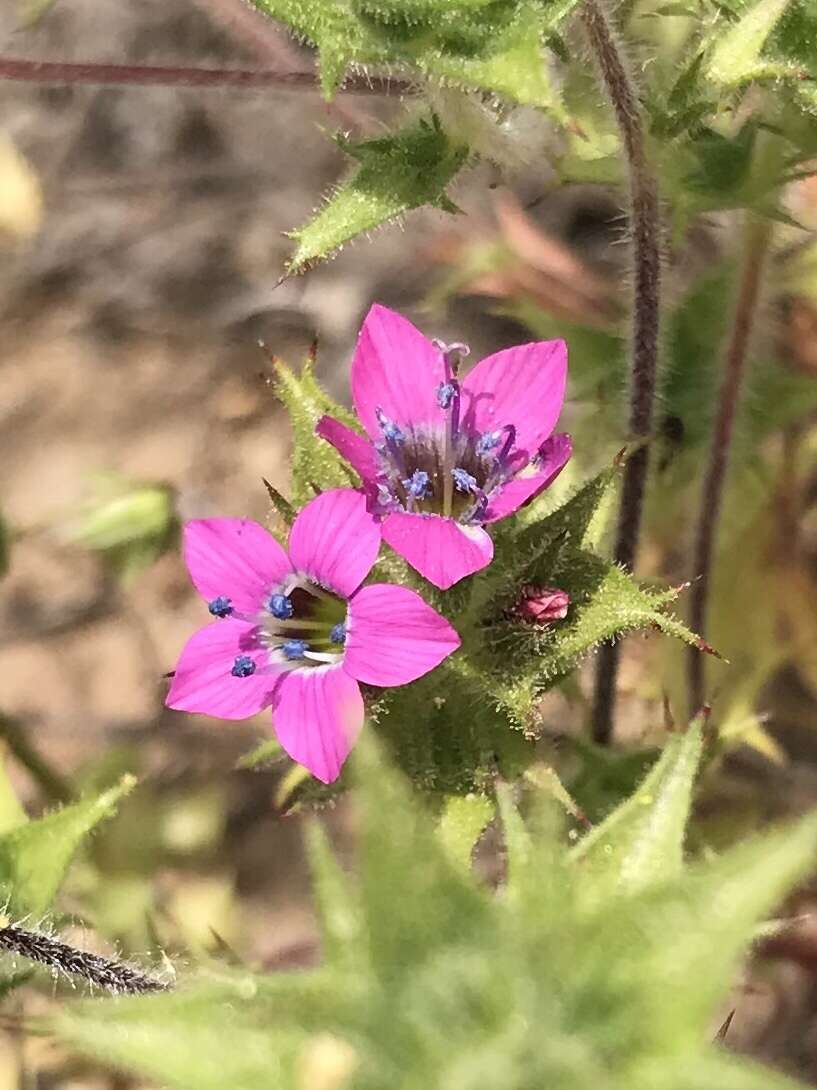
x,y
357,451
397,370
439,548
522,386
235,558
335,541
317,716
203,682
393,636
554,456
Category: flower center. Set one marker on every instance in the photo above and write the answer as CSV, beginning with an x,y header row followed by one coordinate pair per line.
x,y
303,624
451,471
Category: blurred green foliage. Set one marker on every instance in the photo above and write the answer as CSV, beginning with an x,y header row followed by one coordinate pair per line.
x,y
427,979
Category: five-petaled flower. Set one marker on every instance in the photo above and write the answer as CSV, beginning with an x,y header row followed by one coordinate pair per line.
x,y
445,457
296,630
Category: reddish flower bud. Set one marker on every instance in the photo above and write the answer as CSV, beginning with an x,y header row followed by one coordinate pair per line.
x,y
541,605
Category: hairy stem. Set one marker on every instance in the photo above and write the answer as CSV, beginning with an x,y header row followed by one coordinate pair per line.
x,y
756,247
112,976
31,71
645,227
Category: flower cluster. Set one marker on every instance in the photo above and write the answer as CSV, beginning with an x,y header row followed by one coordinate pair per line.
x,y
296,629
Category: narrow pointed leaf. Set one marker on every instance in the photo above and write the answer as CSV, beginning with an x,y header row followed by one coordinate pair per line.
x,y
34,857
641,842
463,821
736,52
397,173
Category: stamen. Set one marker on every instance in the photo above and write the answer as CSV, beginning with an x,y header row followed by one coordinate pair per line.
x,y
338,633
489,441
391,432
294,649
463,480
446,392
510,439
243,666
418,484
280,607
220,607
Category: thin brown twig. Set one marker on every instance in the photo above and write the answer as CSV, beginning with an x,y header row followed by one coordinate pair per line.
x,y
25,70
645,227
756,248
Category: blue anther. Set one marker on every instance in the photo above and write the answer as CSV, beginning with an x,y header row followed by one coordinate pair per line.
x,y
446,392
463,480
294,649
418,484
338,633
488,442
221,606
243,666
391,432
280,607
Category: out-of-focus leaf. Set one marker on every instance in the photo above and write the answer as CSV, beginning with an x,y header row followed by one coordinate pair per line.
x,y
641,842
396,173
12,813
342,940
735,54
20,194
263,754
463,821
34,857
4,547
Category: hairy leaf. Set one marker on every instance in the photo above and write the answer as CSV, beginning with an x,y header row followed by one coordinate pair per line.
x,y
396,173
35,856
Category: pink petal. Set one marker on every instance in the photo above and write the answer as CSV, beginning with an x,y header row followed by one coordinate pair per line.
x,y
357,451
393,637
554,456
335,541
235,558
317,716
523,386
397,370
438,548
203,682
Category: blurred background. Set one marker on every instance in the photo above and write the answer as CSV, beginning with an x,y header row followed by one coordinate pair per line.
x,y
142,241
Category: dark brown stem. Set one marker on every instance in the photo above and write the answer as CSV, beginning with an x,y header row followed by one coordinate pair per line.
x,y
756,247
645,227
115,977
31,71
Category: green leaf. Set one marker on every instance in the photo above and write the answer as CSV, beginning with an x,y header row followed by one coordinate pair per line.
x,y
34,857
12,813
264,754
735,53
316,465
641,842
397,173
342,941
463,821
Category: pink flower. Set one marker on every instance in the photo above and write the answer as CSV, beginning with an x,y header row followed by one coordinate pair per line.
x,y
296,630
445,458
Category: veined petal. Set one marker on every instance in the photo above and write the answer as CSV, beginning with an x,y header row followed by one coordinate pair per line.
x,y
522,386
393,636
317,716
439,548
396,369
234,558
334,540
357,451
553,457
203,682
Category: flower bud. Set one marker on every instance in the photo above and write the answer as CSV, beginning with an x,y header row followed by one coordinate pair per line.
x,y
541,605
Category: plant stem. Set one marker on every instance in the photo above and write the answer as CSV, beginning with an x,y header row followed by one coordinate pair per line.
x,y
645,227
31,71
756,246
